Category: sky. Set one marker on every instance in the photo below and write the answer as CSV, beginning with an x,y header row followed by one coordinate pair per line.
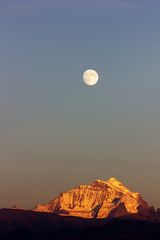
x,y
56,132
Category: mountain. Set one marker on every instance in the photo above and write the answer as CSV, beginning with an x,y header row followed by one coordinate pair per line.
x,y
16,207
100,199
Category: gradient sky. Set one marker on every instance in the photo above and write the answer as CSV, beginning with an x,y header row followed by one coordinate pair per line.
x,y
57,133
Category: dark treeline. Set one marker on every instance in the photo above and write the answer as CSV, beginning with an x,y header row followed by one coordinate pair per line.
x,y
27,225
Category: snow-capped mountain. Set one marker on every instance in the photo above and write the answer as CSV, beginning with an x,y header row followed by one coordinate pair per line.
x,y
100,199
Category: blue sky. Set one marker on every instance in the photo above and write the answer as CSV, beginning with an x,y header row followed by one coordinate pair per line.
x,y
55,132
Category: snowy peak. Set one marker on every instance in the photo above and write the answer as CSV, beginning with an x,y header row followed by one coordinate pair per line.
x,y
97,200
114,183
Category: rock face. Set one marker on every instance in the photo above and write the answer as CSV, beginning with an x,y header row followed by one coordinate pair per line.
x,y
101,199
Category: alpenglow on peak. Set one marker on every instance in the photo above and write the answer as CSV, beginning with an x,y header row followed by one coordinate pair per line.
x,y
100,199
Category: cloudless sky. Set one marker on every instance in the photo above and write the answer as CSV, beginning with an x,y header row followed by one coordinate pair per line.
x,y
57,133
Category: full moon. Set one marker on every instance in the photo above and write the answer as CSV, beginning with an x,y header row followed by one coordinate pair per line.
x,y
90,77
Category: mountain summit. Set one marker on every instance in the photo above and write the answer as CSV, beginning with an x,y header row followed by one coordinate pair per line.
x,y
100,199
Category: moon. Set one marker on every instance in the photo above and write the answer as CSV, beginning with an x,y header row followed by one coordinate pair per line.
x,y
90,77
